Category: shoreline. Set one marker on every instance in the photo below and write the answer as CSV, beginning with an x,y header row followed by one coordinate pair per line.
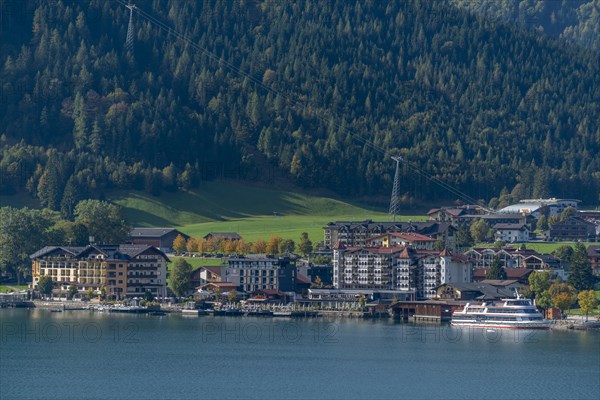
x,y
559,325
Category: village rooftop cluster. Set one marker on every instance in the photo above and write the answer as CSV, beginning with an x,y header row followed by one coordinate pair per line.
x,y
378,262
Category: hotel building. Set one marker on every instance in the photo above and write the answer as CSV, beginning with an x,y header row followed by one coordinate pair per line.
x,y
413,273
125,270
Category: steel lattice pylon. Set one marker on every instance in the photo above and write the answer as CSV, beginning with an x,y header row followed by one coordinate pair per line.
x,y
129,40
395,201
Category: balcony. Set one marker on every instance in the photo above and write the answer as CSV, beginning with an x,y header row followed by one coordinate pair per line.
x,y
149,276
148,260
144,284
140,268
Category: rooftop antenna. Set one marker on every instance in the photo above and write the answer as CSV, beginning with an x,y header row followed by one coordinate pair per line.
x,y
395,201
129,40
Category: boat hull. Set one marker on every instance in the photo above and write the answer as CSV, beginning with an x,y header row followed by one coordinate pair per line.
x,y
541,326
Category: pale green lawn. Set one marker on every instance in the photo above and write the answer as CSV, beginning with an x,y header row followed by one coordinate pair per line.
x,y
199,262
545,248
253,212
9,289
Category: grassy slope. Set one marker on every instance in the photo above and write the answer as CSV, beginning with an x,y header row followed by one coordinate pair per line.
x,y
545,248
199,262
253,212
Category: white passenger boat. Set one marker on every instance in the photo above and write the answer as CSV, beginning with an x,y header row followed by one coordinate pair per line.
x,y
508,313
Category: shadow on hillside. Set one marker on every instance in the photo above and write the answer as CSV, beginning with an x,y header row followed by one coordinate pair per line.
x,y
217,203
138,217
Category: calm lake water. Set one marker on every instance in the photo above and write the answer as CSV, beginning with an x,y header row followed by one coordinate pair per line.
x,y
85,355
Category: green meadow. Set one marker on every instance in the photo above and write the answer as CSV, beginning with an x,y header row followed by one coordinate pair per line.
x,y
540,247
253,212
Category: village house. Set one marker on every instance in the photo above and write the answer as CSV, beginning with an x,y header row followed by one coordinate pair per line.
x,y
511,233
161,238
540,262
483,257
206,274
454,215
222,288
125,270
507,284
519,274
573,228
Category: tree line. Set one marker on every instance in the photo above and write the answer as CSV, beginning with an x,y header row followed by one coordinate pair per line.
x,y
575,21
487,108
24,231
275,245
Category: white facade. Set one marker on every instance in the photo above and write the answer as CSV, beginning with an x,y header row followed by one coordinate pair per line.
x,y
535,207
402,269
512,235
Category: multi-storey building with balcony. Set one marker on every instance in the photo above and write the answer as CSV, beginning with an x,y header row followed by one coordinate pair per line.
x,y
573,228
413,273
358,234
125,270
255,272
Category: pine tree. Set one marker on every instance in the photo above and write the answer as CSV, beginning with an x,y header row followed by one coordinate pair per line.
x,y
181,276
49,188
80,134
463,236
580,271
305,246
70,198
96,140
496,271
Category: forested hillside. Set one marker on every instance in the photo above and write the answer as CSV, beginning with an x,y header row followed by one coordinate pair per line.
x,y
477,104
576,21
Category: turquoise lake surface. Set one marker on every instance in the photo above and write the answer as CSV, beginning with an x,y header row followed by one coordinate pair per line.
x,y
90,355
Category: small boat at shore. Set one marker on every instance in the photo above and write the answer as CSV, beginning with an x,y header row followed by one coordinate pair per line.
x,y
282,313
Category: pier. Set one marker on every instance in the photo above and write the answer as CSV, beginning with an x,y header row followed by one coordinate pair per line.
x,y
427,310
15,300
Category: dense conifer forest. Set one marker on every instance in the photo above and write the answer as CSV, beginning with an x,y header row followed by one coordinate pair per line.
x,y
482,105
575,21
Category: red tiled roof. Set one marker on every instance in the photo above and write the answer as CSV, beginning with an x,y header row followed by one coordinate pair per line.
x,y
375,250
412,236
217,270
222,284
511,273
409,236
